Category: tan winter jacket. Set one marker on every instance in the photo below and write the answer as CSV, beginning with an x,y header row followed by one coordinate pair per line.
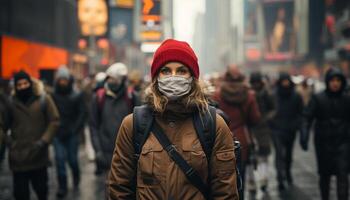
x,y
158,177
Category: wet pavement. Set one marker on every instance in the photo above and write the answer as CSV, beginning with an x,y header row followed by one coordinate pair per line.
x,y
93,187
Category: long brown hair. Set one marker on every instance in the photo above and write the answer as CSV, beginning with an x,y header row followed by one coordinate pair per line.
x,y
159,102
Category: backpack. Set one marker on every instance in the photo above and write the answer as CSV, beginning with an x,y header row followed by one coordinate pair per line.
x,y
205,126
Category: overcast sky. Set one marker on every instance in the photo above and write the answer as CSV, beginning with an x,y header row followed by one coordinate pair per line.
x,y
185,12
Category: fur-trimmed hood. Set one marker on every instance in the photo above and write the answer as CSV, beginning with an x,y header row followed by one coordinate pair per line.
x,y
38,87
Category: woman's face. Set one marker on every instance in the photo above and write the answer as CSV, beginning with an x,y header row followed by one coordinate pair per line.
x,y
174,69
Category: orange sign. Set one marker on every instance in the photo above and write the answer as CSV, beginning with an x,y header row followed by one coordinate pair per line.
x,y
125,3
147,6
151,29
18,54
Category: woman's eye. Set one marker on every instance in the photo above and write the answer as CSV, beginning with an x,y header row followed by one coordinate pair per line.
x,y
165,71
182,71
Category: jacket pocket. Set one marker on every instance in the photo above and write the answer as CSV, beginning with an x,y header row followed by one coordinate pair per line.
x,y
150,165
225,162
23,154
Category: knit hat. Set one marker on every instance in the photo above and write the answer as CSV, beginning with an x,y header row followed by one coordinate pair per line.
x,y
175,51
21,75
63,72
117,71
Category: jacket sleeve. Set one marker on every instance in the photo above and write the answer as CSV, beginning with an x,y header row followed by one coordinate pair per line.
x,y
53,120
121,180
308,117
94,124
82,114
254,114
271,107
223,164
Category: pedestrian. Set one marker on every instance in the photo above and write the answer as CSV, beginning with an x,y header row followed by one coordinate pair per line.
x,y
262,131
172,159
239,103
100,79
305,89
330,110
110,105
72,110
35,120
285,124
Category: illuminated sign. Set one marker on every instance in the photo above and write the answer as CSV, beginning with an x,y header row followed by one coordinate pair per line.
x,y
124,3
151,29
93,17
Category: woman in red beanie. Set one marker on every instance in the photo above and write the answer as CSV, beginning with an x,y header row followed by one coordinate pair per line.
x,y
175,146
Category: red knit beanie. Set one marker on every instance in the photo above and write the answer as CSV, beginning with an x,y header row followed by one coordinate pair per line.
x,y
175,51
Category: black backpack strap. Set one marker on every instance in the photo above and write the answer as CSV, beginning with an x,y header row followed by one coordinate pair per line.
x,y
205,126
191,174
142,123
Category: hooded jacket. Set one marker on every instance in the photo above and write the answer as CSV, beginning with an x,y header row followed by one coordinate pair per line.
x,y
330,112
72,109
32,122
289,106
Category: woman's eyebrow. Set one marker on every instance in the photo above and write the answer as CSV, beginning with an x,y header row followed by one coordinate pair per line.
x,y
165,67
182,67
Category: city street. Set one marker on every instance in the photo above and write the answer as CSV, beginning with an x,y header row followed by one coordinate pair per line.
x,y
92,187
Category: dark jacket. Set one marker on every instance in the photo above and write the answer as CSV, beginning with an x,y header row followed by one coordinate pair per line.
x,y
106,117
289,107
330,112
32,122
73,112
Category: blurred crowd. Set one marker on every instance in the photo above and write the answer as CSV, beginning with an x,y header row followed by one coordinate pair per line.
x,y
265,114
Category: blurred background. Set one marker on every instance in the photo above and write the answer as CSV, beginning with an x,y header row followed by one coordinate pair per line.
x,y
88,35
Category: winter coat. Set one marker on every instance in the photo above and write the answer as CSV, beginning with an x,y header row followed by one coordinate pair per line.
x,y
242,110
107,114
262,131
289,108
32,122
330,112
73,113
158,177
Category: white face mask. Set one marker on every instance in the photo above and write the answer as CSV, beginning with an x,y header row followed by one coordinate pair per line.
x,y
174,87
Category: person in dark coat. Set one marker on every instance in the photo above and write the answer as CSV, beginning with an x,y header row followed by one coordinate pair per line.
x,y
284,125
330,110
72,109
109,106
262,131
35,120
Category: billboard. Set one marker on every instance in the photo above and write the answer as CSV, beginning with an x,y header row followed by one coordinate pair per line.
x,y
93,17
279,30
151,20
